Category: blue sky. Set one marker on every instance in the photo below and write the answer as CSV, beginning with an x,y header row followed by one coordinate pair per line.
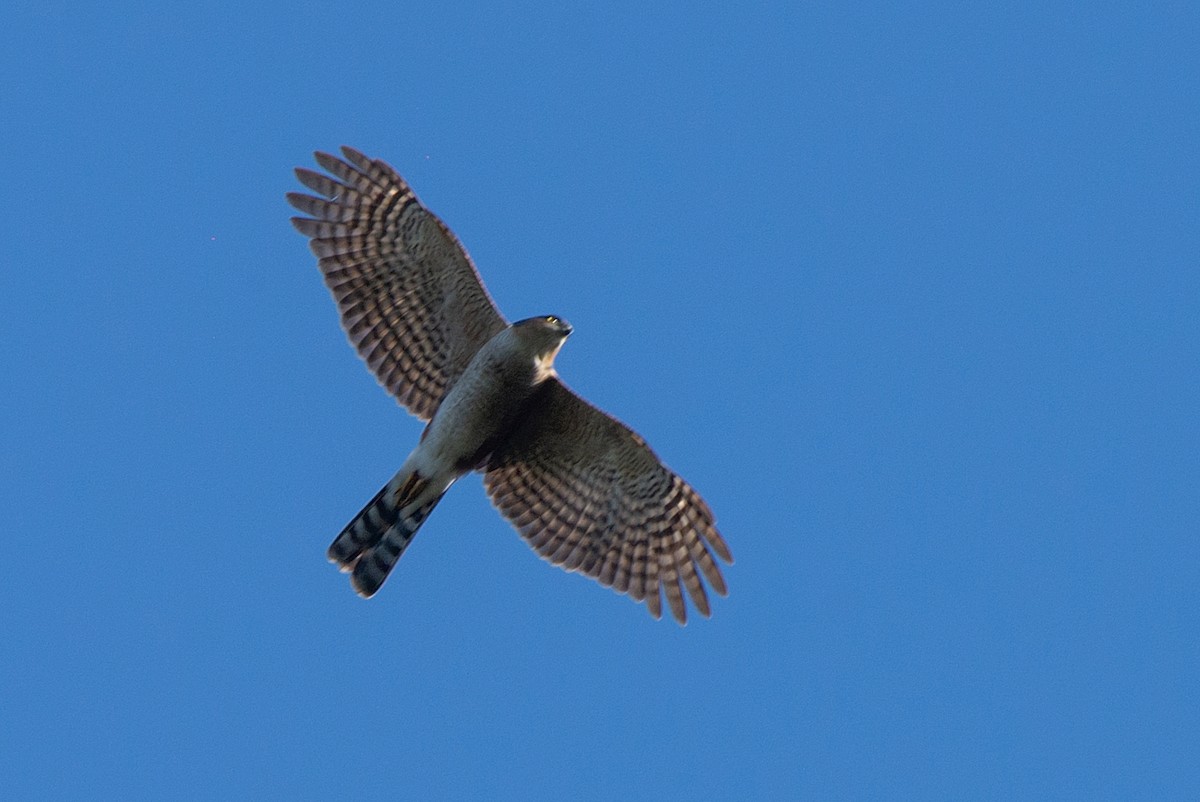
x,y
907,292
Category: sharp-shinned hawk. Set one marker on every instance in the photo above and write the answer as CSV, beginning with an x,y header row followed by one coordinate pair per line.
x,y
584,490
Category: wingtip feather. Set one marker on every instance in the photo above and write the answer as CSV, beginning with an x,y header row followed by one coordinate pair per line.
x,y
356,157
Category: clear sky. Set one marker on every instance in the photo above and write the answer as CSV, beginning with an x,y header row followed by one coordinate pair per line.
x,y
907,291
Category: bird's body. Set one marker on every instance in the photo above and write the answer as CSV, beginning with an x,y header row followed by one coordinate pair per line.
x,y
487,399
584,490
478,412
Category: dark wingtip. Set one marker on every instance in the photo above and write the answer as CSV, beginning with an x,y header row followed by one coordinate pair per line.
x,y
296,199
353,155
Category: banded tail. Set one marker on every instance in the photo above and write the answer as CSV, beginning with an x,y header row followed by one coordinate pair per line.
x,y
372,543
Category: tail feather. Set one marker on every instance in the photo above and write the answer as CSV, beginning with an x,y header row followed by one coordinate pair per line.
x,y
376,563
367,529
371,544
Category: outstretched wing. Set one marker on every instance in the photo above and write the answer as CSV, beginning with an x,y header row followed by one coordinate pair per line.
x,y
410,299
589,495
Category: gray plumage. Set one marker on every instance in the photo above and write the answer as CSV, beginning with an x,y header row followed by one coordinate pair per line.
x,y
583,490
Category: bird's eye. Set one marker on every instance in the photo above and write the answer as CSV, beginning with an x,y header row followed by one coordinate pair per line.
x,y
551,319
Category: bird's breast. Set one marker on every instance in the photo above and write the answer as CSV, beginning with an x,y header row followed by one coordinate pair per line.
x,y
479,410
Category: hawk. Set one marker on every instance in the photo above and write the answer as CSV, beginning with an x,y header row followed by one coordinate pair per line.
x,y
581,488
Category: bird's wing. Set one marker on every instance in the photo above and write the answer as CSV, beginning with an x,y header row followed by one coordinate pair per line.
x,y
410,299
589,495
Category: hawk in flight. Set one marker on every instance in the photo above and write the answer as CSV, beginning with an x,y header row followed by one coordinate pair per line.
x,y
582,489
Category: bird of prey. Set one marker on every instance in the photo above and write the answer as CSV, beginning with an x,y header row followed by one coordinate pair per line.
x,y
580,487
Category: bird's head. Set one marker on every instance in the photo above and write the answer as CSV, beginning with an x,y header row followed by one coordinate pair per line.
x,y
546,329
544,335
